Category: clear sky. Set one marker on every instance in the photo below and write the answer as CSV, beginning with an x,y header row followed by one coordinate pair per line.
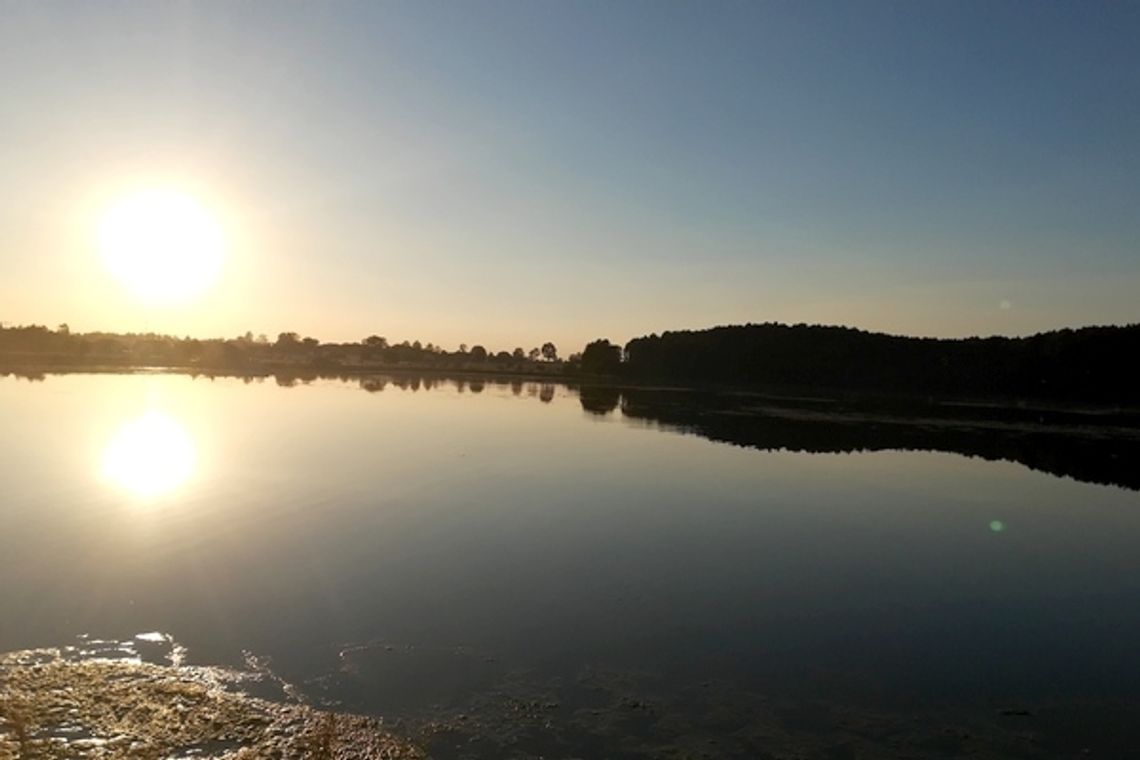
x,y
508,173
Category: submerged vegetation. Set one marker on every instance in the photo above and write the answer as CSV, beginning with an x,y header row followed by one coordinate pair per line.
x,y
53,707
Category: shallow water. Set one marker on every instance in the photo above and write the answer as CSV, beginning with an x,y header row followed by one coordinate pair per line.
x,y
456,550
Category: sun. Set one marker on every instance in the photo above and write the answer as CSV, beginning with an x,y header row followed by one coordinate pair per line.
x,y
162,245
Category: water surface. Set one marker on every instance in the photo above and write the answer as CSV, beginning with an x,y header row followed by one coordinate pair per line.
x,y
436,549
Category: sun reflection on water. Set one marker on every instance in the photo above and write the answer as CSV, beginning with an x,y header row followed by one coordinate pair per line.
x,y
149,456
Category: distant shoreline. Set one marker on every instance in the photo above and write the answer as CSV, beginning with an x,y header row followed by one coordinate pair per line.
x,y
1068,369
277,369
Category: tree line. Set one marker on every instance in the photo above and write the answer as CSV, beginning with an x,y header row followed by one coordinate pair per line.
x,y
1090,364
1094,364
38,344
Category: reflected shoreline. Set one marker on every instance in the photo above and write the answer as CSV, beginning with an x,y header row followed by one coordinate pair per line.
x,y
1103,454
1092,445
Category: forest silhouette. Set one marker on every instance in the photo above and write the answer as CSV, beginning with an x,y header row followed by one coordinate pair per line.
x,y
1090,365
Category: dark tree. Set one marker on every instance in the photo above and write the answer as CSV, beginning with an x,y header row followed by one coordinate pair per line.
x,y
478,353
287,340
601,358
549,352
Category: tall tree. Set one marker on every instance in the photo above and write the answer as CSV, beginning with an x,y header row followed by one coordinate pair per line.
x,y
601,358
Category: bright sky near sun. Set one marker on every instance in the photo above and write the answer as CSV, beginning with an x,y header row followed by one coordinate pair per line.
x,y
509,173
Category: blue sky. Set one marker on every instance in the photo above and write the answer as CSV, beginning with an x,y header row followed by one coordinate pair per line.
x,y
508,173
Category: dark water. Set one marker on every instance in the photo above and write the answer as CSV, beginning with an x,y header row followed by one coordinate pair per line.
x,y
577,581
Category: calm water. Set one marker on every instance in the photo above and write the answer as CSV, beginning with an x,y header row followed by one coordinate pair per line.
x,y
425,551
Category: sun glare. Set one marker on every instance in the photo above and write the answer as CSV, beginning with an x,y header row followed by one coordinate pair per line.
x,y
149,456
162,245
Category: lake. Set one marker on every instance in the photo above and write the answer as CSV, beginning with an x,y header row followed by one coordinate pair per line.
x,y
515,569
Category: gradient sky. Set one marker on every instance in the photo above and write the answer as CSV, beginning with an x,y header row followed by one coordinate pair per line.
x,y
508,173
